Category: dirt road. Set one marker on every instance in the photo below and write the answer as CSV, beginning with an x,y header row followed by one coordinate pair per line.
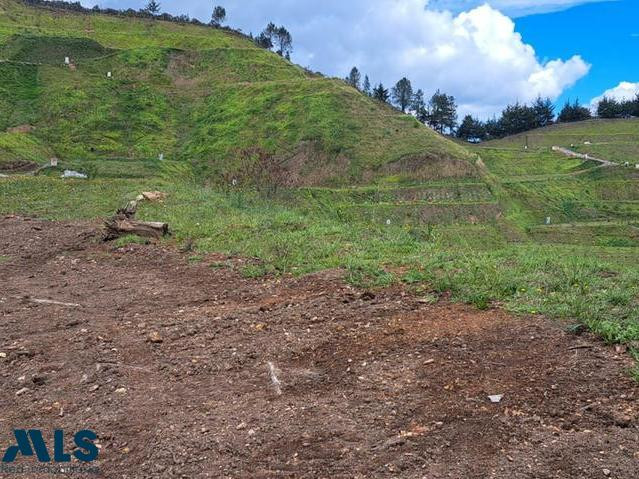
x,y
167,361
583,156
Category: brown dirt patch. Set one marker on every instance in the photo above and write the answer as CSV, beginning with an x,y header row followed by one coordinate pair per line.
x,y
21,129
373,385
17,166
430,168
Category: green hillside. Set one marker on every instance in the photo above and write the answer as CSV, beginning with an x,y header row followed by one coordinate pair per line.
x,y
614,140
194,94
586,203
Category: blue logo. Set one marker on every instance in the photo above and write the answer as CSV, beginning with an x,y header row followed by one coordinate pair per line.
x,y
31,441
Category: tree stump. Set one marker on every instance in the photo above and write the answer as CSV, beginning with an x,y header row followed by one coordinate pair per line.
x,y
123,223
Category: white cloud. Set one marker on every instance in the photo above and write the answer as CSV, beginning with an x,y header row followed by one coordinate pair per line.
x,y
475,55
624,91
511,7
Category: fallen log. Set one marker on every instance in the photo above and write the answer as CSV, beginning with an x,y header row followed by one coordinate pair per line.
x,y
123,223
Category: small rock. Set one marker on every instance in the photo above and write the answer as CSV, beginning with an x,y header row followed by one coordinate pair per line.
x,y
241,426
155,338
3,355
95,387
621,420
20,392
496,398
607,472
367,296
121,391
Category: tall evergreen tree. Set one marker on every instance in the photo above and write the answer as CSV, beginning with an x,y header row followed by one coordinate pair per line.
x,y
354,78
153,7
403,94
218,16
544,112
633,108
264,40
518,118
494,129
283,42
471,129
609,108
278,38
366,88
574,112
418,105
443,112
380,93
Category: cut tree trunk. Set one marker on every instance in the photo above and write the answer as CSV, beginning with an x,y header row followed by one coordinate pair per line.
x,y
123,223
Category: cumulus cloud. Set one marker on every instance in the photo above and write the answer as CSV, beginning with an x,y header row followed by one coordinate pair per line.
x,y
475,55
624,91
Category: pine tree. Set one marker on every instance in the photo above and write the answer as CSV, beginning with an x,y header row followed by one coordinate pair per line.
x,y
471,129
544,112
609,108
443,112
354,78
218,16
418,105
153,7
403,94
366,88
574,112
283,41
380,93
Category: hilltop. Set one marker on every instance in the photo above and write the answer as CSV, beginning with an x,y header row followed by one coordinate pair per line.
x,y
208,97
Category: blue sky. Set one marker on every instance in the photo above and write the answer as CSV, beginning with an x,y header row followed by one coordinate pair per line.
x,y
606,34
487,53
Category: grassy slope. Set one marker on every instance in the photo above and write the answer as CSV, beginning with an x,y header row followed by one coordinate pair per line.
x,y
192,93
614,140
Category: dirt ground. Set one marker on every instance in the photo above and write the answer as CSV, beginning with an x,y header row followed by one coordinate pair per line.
x,y
167,360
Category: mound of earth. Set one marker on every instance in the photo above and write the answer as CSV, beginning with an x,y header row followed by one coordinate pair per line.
x,y
187,369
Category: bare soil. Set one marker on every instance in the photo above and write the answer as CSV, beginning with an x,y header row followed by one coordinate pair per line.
x,y
167,360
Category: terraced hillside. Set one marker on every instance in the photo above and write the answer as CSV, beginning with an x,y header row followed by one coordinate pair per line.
x,y
614,140
584,202
207,97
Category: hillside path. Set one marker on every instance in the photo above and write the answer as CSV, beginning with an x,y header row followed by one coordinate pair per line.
x,y
583,156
